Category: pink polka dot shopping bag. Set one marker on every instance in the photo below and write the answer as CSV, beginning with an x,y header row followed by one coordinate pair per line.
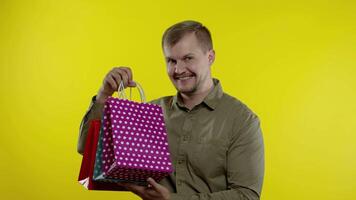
x,y
132,144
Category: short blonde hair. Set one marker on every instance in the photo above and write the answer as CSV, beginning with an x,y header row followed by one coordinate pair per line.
x,y
177,31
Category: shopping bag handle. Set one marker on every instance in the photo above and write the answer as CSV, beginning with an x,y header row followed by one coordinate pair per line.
x,y
122,94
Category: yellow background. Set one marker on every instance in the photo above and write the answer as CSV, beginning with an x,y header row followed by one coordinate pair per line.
x,y
293,63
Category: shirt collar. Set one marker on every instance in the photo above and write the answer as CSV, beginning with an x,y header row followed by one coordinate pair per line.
x,y
211,100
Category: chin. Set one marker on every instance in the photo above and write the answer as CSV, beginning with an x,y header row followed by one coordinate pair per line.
x,y
186,90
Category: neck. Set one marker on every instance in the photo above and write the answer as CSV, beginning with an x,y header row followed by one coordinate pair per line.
x,y
193,99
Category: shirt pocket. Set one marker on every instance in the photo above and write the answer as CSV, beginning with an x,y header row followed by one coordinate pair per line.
x,y
208,156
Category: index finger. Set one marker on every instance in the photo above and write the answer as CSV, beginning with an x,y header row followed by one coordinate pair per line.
x,y
130,75
129,72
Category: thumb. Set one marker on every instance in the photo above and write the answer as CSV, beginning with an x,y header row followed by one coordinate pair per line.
x,y
132,84
156,186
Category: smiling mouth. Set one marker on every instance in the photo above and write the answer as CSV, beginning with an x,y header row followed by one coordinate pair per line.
x,y
184,77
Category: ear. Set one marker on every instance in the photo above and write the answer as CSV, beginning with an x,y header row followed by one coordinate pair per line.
x,y
211,56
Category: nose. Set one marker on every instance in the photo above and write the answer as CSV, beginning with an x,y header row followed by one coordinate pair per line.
x,y
179,67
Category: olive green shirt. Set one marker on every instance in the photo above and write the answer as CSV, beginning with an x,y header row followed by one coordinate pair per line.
x,y
216,148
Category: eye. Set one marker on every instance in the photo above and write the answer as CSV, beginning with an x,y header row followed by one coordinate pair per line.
x,y
171,61
188,58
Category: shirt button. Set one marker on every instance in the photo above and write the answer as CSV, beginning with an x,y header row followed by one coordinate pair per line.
x,y
179,182
180,161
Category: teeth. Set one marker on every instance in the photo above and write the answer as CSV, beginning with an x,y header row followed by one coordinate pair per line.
x,y
185,78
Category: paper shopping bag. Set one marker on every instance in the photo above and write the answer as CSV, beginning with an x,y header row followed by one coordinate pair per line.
x,y
133,143
87,167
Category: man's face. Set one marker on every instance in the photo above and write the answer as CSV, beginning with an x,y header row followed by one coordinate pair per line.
x,y
188,66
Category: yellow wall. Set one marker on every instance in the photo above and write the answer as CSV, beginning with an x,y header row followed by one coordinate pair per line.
x,y
293,63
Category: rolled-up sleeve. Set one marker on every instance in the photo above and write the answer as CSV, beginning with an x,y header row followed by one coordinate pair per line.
x,y
95,111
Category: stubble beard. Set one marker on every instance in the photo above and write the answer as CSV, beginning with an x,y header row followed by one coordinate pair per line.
x,y
189,91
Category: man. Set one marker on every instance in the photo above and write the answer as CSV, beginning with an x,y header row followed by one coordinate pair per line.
x,y
215,140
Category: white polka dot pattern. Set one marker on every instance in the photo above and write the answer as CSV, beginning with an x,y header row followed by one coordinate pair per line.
x,y
134,141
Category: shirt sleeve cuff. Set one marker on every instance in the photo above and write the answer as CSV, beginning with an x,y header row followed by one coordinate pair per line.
x,y
96,109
